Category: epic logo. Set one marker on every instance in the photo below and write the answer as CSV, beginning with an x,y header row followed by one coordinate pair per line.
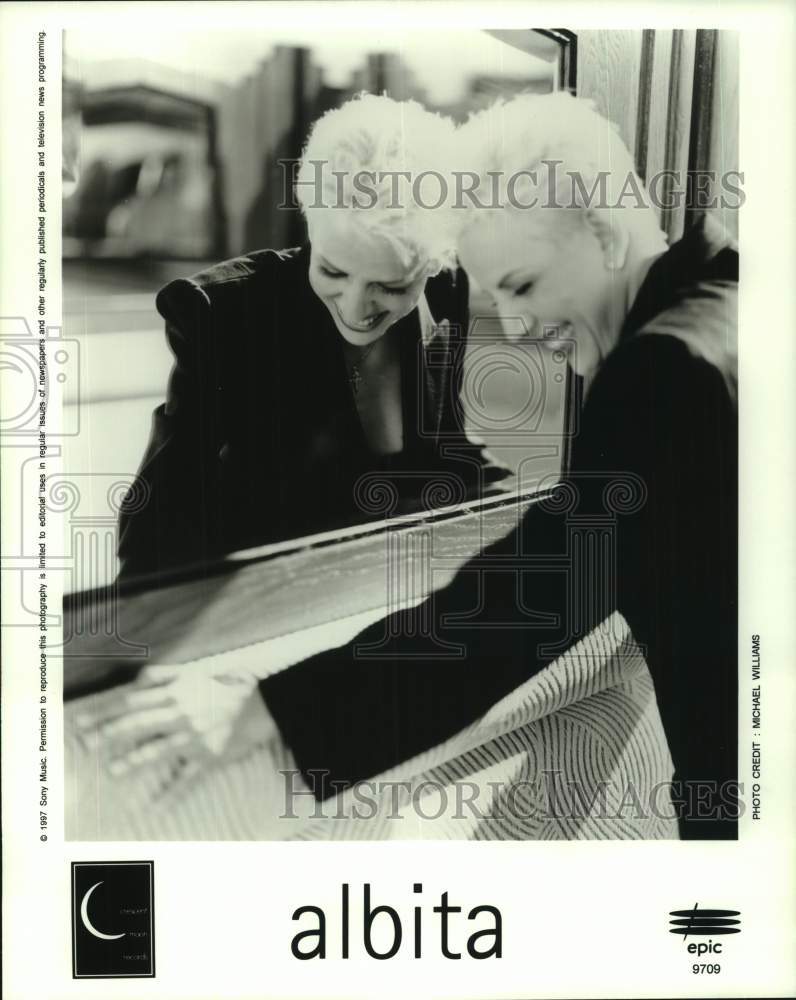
x,y
704,923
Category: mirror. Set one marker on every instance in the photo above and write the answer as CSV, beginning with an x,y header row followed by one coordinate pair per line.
x,y
176,162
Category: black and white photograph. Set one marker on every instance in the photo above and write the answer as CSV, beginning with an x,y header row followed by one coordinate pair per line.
x,y
389,537
422,378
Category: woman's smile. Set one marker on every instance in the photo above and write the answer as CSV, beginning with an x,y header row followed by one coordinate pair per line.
x,y
561,292
366,325
360,278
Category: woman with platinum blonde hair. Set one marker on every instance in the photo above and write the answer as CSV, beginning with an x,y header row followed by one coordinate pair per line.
x,y
361,187
645,523
300,375
565,259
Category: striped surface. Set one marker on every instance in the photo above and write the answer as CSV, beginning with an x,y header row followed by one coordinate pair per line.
x,y
577,752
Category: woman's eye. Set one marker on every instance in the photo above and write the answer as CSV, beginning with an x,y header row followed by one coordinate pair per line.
x,y
332,274
393,291
524,288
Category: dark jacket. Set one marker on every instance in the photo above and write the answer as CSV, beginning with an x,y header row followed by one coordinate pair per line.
x,y
646,524
259,439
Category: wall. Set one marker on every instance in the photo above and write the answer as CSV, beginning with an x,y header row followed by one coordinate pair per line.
x,y
674,96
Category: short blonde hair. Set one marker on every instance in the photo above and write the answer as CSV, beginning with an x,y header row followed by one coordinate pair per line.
x,y
370,157
527,134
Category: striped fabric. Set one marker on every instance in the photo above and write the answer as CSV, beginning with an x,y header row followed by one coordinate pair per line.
x,y
577,752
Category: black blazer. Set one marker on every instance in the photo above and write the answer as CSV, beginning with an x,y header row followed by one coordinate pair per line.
x,y
259,438
646,524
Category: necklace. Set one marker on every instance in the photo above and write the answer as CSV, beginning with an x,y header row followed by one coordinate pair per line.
x,y
355,376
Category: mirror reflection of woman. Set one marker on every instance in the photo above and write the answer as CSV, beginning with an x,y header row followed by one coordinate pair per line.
x,y
307,390
647,523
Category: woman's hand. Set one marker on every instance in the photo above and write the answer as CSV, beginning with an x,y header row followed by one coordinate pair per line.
x,y
188,717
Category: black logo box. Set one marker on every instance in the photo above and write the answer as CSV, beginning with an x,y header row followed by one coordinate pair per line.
x,y
113,919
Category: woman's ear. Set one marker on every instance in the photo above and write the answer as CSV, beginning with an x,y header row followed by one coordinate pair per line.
x,y
611,234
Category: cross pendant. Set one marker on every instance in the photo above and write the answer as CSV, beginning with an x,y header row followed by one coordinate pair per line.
x,y
355,378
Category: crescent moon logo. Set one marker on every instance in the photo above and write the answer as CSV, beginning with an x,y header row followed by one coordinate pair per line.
x,y
87,922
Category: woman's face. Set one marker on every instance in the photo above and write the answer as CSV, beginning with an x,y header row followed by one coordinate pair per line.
x,y
546,272
360,278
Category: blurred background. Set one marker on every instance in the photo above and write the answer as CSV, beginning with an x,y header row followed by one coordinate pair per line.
x,y
171,162
176,155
